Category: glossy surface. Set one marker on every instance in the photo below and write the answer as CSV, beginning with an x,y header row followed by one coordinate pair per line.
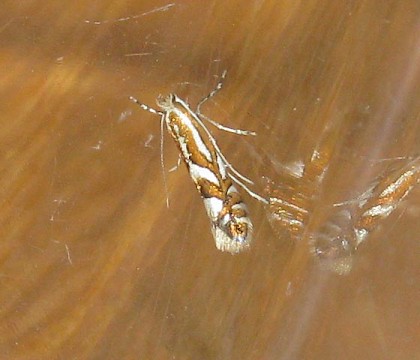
x,y
92,263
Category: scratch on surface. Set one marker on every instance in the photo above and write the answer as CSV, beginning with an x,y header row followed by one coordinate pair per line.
x,y
139,54
289,289
59,60
148,141
56,212
68,254
98,146
4,26
158,9
124,115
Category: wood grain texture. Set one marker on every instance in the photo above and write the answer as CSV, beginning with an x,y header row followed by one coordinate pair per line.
x,y
92,263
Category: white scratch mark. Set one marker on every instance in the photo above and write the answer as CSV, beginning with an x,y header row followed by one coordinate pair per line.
x,y
5,25
124,115
289,289
139,54
173,168
158,9
68,254
59,201
147,142
98,146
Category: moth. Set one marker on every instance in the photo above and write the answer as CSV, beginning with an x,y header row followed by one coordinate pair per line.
x,y
293,198
354,220
214,177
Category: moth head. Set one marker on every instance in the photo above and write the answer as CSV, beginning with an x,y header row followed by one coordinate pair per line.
x,y
335,243
166,103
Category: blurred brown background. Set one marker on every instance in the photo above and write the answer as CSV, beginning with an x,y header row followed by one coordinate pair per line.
x,y
92,263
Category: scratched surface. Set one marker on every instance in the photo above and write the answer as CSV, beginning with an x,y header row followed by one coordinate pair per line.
x,y
93,265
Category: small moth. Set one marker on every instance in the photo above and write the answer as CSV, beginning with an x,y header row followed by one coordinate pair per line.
x,y
354,220
211,173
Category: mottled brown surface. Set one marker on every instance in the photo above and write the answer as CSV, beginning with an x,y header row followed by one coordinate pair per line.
x,y
92,263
